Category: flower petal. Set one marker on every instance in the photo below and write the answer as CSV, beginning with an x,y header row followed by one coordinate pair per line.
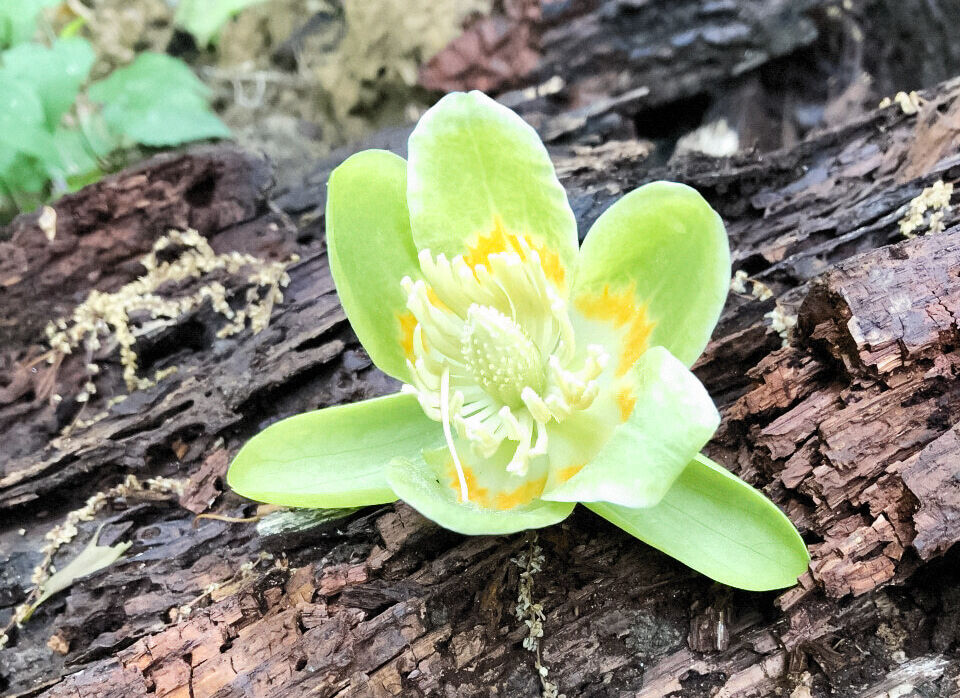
x,y
429,485
371,248
478,174
717,524
334,457
669,418
656,266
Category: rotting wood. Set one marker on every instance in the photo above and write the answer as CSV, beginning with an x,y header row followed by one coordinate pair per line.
x,y
850,428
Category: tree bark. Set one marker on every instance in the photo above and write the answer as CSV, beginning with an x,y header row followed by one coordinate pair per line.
x,y
847,421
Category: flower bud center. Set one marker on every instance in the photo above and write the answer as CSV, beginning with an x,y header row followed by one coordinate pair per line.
x,y
501,357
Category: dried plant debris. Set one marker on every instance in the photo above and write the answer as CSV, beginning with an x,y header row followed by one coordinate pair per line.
x,y
118,29
47,580
91,559
139,307
927,210
531,612
375,68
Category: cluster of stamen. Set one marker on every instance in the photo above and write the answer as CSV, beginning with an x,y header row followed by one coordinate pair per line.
x,y
493,350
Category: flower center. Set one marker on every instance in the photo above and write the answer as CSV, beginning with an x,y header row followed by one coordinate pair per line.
x,y
499,355
494,356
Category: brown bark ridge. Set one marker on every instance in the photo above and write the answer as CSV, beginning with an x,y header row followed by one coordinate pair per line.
x,y
847,421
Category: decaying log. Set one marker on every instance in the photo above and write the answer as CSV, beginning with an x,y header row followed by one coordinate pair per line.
x,y
847,420
591,70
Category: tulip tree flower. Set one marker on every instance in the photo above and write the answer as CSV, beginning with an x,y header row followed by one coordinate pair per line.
x,y
537,373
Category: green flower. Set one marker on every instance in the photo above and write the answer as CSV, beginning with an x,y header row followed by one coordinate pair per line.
x,y
536,373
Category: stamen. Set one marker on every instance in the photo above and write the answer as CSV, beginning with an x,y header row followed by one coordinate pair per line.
x,y
445,419
494,352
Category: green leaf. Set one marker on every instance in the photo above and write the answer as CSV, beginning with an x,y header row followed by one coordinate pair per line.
x,y
19,103
28,155
474,166
665,247
91,559
100,141
78,161
717,524
424,483
671,419
55,73
334,457
135,84
204,18
169,124
371,248
157,101
18,20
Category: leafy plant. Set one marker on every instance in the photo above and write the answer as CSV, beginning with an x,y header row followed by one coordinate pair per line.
x,y
54,138
536,374
18,20
204,18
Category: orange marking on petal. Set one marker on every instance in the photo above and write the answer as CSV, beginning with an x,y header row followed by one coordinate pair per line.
x,y
475,493
524,494
622,309
626,401
407,324
565,474
552,266
499,240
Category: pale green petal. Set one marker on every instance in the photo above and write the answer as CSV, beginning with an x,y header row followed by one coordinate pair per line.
x,y
371,250
656,264
670,417
720,526
477,171
334,457
425,484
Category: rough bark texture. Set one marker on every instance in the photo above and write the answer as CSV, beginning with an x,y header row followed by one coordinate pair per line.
x,y
849,425
589,70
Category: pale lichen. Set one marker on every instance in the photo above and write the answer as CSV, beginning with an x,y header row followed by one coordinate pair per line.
x,y
716,139
909,102
758,290
782,322
927,210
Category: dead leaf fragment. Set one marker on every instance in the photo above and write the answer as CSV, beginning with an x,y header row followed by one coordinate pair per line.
x,y
91,559
47,222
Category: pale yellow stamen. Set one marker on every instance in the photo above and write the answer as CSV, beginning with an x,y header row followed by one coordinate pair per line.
x,y
445,419
495,354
